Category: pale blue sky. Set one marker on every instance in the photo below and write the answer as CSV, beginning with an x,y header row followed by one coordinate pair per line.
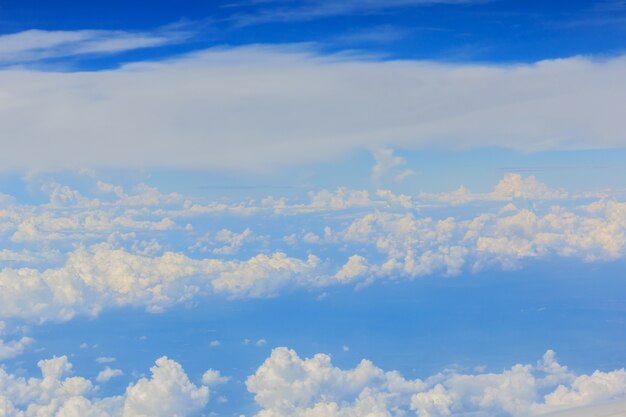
x,y
430,192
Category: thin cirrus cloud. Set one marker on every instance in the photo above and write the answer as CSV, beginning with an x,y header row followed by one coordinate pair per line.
x,y
253,107
39,45
284,11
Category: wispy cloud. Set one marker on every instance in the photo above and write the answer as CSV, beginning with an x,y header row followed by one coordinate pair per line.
x,y
375,35
285,11
37,45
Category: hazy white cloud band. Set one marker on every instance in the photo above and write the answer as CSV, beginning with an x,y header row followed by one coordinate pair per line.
x,y
258,106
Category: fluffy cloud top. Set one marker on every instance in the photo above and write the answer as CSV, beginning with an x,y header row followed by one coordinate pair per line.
x,y
286,385
77,254
98,277
13,348
168,392
511,187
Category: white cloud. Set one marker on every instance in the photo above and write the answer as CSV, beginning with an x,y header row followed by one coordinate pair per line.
x,y
389,166
101,276
388,236
105,359
58,395
612,409
233,241
265,275
287,386
212,377
245,93
134,268
342,198
355,267
417,246
36,45
167,393
313,10
514,186
13,348
108,373
510,188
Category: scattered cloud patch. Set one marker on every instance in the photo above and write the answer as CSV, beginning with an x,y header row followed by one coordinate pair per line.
x,y
287,385
58,394
108,373
212,377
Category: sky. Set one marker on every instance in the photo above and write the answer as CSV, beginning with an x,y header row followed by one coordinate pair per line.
x,y
281,208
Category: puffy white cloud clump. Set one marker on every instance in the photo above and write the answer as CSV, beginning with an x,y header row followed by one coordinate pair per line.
x,y
510,188
13,348
417,246
286,385
101,276
78,255
167,393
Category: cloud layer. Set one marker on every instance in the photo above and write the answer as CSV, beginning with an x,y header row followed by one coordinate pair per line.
x,y
289,386
286,385
78,254
253,107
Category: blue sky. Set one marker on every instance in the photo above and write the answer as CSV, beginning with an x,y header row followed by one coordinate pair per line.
x,y
500,31
276,208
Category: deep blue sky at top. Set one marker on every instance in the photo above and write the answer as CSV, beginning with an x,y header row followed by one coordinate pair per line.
x,y
495,31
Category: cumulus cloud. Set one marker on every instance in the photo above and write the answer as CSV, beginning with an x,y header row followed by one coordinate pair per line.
x,y
101,276
341,199
168,392
512,187
356,266
234,103
71,216
79,254
286,385
13,348
227,242
212,377
389,165
417,246
108,373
